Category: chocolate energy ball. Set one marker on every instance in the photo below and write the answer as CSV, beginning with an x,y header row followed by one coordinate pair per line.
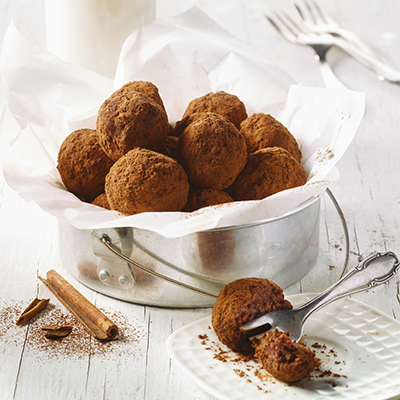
x,y
184,122
143,180
286,360
267,172
144,87
204,197
262,130
101,201
83,165
240,302
129,119
212,152
169,146
222,103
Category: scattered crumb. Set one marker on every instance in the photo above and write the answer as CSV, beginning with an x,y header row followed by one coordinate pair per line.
x,y
249,365
203,336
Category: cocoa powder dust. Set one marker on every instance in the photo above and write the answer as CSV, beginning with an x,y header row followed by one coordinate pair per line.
x,y
77,345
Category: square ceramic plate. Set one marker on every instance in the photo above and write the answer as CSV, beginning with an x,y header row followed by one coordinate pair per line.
x,y
359,348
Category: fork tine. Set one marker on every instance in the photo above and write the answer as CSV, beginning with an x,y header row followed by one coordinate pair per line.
x,y
282,28
300,21
288,28
312,14
296,27
304,13
325,17
313,10
316,11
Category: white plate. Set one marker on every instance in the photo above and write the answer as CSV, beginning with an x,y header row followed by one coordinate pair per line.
x,y
360,343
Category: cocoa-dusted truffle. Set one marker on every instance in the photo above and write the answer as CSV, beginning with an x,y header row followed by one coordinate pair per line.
x,y
144,87
262,130
267,172
222,103
184,122
101,201
143,180
169,146
286,360
204,197
83,165
129,119
212,152
240,302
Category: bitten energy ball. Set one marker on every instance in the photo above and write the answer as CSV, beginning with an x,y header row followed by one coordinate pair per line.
x,y
204,197
240,302
129,119
83,165
221,103
212,152
267,172
262,130
286,360
143,180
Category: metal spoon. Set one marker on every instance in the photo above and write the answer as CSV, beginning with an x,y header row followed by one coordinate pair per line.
x,y
371,272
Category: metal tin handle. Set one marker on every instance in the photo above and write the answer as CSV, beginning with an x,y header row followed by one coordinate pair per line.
x,y
105,239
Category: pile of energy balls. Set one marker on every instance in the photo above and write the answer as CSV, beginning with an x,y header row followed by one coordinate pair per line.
x,y
136,161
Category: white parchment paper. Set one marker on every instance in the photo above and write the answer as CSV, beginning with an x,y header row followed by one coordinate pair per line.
x,y
185,57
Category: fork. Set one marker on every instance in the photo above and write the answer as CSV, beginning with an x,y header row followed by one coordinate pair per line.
x,y
297,33
319,21
316,20
373,271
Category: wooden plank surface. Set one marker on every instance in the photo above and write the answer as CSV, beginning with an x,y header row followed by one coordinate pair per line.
x,y
138,366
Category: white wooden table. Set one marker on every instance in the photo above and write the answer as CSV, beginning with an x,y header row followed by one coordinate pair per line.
x,y
139,368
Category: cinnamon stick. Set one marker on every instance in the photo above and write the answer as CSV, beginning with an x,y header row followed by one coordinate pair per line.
x,y
34,308
55,332
92,319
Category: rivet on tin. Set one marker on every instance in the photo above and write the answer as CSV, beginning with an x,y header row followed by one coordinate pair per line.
x,y
103,275
123,280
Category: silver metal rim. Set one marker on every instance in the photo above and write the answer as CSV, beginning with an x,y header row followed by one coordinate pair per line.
x,y
107,242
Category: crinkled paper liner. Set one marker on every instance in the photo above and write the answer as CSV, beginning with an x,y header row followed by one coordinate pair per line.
x,y
185,57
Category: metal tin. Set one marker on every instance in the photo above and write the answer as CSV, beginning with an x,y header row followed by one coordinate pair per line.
x,y
189,271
